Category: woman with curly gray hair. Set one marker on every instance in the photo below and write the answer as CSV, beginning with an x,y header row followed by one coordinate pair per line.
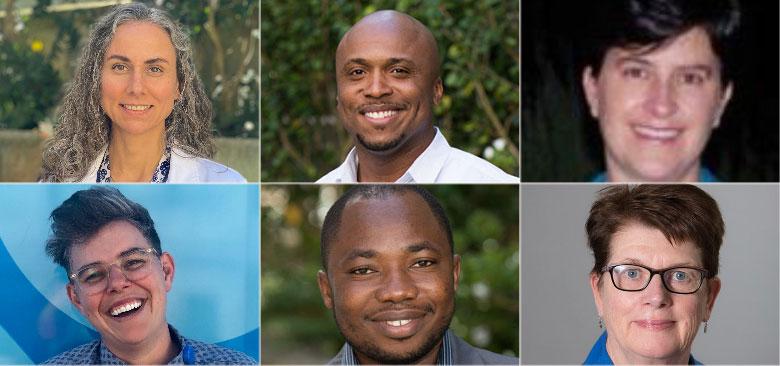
x,y
136,110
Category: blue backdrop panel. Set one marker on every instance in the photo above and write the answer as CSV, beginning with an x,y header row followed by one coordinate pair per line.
x,y
210,230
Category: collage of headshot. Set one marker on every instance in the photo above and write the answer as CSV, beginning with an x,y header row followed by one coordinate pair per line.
x,y
449,182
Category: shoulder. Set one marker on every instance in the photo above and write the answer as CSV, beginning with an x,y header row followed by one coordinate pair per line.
x,y
467,354
186,168
81,355
469,168
332,177
212,354
344,173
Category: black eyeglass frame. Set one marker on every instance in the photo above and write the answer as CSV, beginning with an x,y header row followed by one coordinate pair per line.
x,y
704,275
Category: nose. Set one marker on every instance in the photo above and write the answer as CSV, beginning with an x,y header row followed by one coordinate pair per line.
x,y
136,83
397,286
116,280
661,98
377,86
655,294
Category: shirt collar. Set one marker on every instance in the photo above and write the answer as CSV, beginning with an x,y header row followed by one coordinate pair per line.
x,y
160,174
106,357
424,169
444,357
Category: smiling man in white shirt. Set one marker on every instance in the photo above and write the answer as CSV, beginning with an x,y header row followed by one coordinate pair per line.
x,y
387,71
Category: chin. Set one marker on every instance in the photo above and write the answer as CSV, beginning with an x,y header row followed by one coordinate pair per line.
x,y
658,348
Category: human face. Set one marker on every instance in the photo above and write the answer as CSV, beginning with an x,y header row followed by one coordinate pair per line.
x,y
143,326
138,79
388,84
391,280
657,108
653,325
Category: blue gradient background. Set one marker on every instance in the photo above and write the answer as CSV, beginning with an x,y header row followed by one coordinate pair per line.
x,y
210,230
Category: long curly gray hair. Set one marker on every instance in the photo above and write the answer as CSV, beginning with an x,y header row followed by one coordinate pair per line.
x,y
84,129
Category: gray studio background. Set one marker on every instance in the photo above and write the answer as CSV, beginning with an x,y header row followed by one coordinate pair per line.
x,y
559,322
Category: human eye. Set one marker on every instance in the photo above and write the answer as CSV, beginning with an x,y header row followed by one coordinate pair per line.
x,y
361,271
356,73
156,69
92,275
133,263
631,273
119,67
681,275
692,78
423,263
635,72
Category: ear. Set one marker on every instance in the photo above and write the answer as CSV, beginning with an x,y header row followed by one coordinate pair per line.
x,y
438,91
713,288
594,286
324,284
169,269
455,270
591,89
724,101
74,297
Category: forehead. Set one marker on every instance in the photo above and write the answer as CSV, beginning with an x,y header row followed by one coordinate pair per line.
x,y
385,38
650,247
690,48
139,39
110,241
387,226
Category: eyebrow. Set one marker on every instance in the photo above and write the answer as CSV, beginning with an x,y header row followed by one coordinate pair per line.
x,y
123,254
424,245
390,61
702,67
638,262
156,60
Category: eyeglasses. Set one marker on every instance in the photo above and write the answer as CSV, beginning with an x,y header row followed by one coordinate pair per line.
x,y
678,280
134,264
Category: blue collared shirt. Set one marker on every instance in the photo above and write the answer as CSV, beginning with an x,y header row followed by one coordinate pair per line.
x,y
598,354
191,352
444,357
705,176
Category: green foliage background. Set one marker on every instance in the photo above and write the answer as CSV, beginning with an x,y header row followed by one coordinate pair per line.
x,y
296,326
224,34
301,137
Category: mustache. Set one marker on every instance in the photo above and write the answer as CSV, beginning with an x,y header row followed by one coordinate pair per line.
x,y
403,306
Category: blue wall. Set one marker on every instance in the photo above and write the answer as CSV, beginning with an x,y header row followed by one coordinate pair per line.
x,y
210,230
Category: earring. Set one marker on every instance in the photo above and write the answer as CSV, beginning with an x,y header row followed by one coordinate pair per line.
x,y
705,326
601,323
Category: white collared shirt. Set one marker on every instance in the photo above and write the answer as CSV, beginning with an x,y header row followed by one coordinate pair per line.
x,y
439,163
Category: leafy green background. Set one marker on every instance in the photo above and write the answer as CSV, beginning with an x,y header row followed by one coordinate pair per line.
x,y
301,137
296,326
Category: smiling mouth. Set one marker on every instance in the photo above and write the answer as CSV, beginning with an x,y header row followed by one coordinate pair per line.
x,y
662,134
398,323
136,107
126,309
655,324
381,114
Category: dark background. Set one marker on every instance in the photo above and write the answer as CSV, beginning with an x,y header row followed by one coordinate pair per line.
x,y
561,141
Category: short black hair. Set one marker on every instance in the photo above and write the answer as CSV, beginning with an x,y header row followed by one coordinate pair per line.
x,y
642,23
332,221
86,212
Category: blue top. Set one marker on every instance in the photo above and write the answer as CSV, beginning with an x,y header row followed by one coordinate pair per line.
x,y
191,352
598,354
705,175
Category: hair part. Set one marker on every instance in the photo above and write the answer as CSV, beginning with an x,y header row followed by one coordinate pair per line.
x,y
651,24
682,212
84,129
86,212
332,223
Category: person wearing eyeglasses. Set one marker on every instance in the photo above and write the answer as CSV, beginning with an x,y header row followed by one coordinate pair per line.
x,y
119,278
654,280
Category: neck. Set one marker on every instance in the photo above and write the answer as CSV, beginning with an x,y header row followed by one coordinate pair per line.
x,y
134,158
616,174
430,358
389,166
620,356
156,350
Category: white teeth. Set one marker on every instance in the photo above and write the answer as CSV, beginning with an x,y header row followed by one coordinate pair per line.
x,y
136,107
398,323
657,133
125,308
381,114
